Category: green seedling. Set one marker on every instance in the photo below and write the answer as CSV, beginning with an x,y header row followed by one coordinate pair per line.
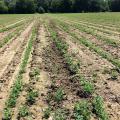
x,y
82,111
59,95
31,96
99,109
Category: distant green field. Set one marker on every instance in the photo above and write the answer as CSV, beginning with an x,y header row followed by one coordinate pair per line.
x,y
107,18
11,18
100,18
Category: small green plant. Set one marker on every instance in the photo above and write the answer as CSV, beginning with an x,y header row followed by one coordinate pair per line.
x,y
17,87
7,114
31,96
88,88
59,95
114,74
47,112
82,111
59,115
23,111
35,72
99,109
73,66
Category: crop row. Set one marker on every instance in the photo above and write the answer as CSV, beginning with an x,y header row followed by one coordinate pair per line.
x,y
82,110
12,26
31,92
92,46
93,32
99,37
18,85
11,35
107,31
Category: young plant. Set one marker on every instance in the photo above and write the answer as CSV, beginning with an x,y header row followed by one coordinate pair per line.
x,y
47,112
73,66
7,114
82,111
99,109
59,115
35,74
31,96
114,74
59,95
88,88
23,111
17,87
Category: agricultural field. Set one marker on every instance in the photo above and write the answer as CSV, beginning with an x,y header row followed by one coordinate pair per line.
x,y
60,66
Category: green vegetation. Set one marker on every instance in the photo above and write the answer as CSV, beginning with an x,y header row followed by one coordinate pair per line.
x,y
92,46
71,93
23,111
62,6
18,85
99,37
47,112
59,115
31,96
73,65
82,111
59,95
7,114
12,26
34,75
114,74
88,88
99,109
10,36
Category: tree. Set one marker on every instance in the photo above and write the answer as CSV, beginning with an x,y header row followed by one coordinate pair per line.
x,y
80,5
3,7
25,6
115,5
11,6
61,6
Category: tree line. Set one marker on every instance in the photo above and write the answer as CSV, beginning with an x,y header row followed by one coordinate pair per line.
x,y
58,6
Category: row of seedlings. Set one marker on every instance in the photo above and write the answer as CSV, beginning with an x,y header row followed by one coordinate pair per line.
x,y
18,84
115,72
31,92
14,34
82,109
